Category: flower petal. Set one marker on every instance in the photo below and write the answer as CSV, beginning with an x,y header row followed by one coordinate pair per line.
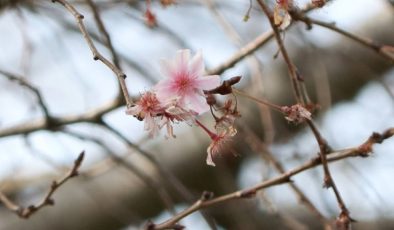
x,y
208,82
197,103
167,68
182,60
165,91
196,65
134,110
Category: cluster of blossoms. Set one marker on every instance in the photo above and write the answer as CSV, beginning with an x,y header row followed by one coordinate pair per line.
x,y
181,97
186,93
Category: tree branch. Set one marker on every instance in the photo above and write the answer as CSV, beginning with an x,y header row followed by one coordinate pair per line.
x,y
47,200
96,55
359,151
383,50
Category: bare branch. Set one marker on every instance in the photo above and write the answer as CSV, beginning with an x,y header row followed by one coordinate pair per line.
x,y
23,82
57,122
266,153
281,179
382,50
47,200
96,55
251,47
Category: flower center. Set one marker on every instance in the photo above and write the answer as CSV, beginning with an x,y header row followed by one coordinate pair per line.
x,y
183,84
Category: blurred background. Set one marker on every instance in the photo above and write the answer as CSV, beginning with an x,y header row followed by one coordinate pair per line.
x,y
128,178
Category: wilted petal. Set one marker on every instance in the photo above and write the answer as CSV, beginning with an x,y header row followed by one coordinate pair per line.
x,y
209,158
133,110
151,126
296,113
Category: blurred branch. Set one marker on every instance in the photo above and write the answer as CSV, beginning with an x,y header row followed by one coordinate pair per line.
x,y
165,173
48,200
96,55
251,47
294,79
57,122
23,82
383,50
206,201
153,184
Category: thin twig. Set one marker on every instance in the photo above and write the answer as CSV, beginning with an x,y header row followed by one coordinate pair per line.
x,y
291,67
107,42
260,101
96,54
344,219
329,182
47,200
361,151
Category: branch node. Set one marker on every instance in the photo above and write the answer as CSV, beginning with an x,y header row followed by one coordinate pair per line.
x,y
206,195
343,221
178,227
248,193
328,183
54,184
150,225
50,201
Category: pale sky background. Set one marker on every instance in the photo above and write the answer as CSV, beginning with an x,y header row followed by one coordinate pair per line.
x,y
345,125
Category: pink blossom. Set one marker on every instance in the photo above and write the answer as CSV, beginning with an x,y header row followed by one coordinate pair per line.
x,y
147,108
186,82
175,113
157,115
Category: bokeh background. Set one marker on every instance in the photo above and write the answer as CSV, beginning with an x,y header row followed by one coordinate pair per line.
x,y
118,187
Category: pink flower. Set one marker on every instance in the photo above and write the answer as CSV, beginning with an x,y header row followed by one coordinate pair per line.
x,y
158,115
185,81
174,113
147,108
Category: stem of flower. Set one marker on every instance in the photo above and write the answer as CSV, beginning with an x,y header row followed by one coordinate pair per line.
x,y
273,106
212,135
